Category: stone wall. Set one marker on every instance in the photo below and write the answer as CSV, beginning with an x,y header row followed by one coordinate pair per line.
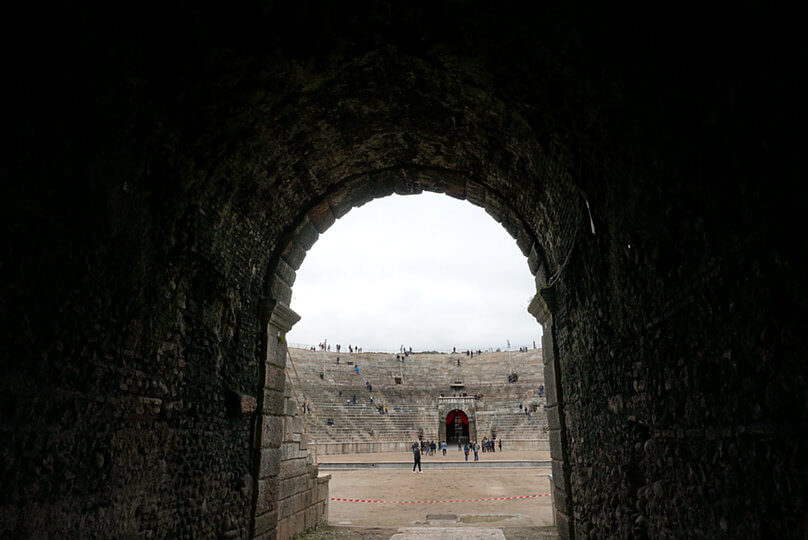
x,y
325,449
290,497
302,492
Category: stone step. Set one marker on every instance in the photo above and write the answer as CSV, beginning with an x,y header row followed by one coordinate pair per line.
x,y
447,533
412,407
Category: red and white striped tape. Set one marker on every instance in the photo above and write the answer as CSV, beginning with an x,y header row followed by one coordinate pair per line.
x,y
452,501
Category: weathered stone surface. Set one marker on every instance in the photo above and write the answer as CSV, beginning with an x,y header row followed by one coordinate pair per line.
x,y
274,377
273,402
270,462
265,523
321,217
293,467
267,495
271,431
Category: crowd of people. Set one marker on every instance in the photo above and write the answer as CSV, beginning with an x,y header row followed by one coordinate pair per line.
x,y
406,351
326,347
471,448
424,447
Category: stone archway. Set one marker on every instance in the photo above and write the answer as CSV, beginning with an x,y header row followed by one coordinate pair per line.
x,y
456,424
413,180
447,145
179,177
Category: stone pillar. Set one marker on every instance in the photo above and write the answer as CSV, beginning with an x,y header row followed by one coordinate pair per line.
x,y
441,423
269,429
541,307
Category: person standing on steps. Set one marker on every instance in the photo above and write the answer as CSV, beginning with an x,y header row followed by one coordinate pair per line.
x,y
416,457
476,448
466,451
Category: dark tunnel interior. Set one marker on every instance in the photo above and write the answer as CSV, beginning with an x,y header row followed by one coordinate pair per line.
x,y
166,170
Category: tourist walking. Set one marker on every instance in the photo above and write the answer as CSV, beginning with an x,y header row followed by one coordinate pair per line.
x,y
416,457
466,451
476,448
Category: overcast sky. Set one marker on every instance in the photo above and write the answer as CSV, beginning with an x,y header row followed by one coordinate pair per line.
x,y
425,271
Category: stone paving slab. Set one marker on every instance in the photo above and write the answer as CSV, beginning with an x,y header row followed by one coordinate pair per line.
x,y
447,533
328,532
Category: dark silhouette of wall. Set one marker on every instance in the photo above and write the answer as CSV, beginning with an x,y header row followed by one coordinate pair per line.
x,y
166,170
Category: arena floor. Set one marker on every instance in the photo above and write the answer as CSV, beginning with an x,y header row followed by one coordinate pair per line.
x,y
444,502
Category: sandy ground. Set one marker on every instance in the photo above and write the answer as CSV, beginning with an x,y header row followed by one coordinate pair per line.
x,y
451,488
517,519
408,496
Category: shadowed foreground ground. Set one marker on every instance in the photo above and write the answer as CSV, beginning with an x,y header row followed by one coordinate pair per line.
x,y
380,533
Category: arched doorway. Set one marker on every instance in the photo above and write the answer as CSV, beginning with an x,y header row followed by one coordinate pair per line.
x,y
457,427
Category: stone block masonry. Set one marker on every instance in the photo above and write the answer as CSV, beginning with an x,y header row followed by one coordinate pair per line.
x,y
290,496
302,492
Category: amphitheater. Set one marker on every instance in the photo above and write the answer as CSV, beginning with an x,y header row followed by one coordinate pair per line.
x,y
422,394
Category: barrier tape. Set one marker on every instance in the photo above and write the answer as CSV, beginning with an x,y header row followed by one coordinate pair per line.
x,y
452,501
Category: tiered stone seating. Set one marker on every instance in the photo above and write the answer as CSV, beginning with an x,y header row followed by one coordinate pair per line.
x,y
329,388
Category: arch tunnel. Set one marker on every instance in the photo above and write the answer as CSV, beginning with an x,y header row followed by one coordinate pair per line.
x,y
164,186
457,427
